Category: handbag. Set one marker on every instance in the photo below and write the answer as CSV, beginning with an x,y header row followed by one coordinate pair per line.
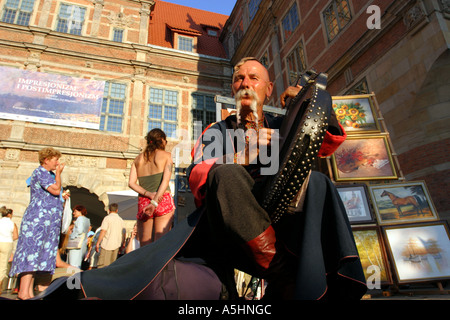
x,y
76,243
66,218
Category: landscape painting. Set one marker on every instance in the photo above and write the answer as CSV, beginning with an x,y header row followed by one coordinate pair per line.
x,y
371,253
421,252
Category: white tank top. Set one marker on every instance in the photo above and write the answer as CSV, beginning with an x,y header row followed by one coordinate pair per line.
x,y
6,229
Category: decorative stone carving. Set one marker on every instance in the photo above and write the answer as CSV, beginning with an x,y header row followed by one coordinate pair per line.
x,y
34,61
72,180
445,5
12,155
119,19
80,161
414,15
145,9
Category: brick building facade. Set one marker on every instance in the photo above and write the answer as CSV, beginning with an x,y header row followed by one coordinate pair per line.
x,y
403,58
162,65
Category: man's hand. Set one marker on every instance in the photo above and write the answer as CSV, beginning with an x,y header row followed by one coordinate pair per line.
x,y
290,92
256,141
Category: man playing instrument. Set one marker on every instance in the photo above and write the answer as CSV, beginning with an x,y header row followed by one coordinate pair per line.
x,y
310,254
240,229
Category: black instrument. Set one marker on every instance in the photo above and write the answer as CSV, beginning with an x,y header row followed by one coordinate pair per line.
x,y
301,135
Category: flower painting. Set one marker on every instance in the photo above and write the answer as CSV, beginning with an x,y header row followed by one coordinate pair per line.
x,y
367,158
356,113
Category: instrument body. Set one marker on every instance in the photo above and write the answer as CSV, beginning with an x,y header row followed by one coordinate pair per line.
x,y
301,135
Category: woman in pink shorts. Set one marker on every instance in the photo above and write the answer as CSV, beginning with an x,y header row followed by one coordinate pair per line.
x,y
149,177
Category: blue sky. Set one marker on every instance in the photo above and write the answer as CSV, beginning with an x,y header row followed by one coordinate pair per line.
x,y
223,6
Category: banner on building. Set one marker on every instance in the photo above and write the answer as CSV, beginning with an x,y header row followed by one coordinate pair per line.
x,y
50,98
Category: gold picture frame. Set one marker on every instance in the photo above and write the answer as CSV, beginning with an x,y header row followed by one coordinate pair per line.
x,y
356,113
372,252
405,202
419,252
365,157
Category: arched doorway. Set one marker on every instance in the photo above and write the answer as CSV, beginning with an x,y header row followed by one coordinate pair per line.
x,y
95,207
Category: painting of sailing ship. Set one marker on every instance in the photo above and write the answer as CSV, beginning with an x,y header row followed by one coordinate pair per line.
x,y
402,202
420,252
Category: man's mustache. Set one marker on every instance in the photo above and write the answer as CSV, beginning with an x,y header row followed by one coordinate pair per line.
x,y
250,93
246,92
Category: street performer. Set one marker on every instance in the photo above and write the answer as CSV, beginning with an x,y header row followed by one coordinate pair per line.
x,y
308,255
240,228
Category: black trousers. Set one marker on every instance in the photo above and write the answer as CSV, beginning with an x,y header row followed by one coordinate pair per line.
x,y
233,208
319,236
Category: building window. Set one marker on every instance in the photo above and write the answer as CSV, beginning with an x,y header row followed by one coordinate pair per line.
x,y
203,109
360,88
186,43
265,59
117,35
162,113
296,63
290,22
18,11
336,16
212,32
113,106
253,6
70,19
238,34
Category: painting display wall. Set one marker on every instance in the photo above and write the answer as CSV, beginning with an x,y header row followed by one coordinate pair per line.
x,y
394,221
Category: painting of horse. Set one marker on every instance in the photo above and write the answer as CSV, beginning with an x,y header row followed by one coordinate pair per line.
x,y
402,202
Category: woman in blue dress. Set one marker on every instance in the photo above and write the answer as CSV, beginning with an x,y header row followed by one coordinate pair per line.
x,y
81,228
41,223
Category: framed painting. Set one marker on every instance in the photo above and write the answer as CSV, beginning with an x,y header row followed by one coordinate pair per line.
x,y
363,158
356,113
372,254
420,252
356,203
402,203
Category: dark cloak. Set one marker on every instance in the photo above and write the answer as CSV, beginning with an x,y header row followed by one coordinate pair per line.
x,y
319,236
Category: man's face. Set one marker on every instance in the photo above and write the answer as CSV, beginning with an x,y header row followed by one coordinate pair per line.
x,y
251,76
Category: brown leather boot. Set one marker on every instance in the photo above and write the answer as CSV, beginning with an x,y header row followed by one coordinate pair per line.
x,y
274,264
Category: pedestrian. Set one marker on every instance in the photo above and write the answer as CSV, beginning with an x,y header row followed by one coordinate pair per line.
x,y
150,176
111,238
78,237
92,254
133,242
41,223
8,234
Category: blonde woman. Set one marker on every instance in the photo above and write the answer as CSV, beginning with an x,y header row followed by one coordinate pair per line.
x,y
41,224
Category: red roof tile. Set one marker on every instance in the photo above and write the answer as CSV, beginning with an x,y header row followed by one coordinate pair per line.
x,y
168,17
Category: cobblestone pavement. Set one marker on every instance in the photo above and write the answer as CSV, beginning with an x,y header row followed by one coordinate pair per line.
x,y
410,292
